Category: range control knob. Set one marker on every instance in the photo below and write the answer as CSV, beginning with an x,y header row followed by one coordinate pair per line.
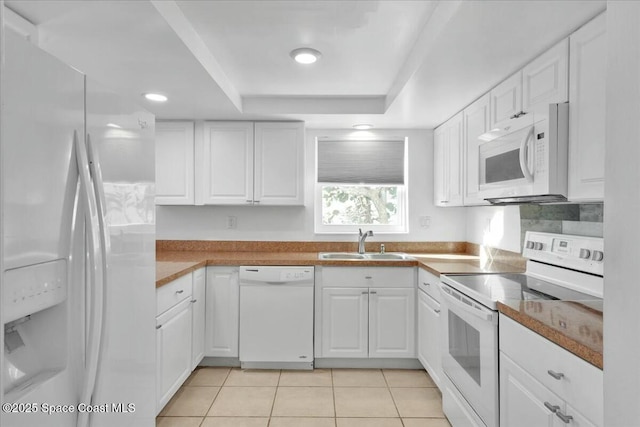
x,y
585,253
597,256
537,246
529,244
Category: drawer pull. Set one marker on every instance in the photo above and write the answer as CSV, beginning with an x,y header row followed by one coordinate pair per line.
x,y
368,277
436,311
365,292
180,291
552,408
556,375
373,292
159,326
193,301
565,418
426,283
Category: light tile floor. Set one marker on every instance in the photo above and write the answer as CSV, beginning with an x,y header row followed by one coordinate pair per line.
x,y
225,397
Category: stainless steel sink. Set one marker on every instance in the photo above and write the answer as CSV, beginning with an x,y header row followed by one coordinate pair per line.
x,y
390,256
340,255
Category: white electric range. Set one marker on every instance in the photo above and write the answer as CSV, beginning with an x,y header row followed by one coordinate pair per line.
x,y
559,267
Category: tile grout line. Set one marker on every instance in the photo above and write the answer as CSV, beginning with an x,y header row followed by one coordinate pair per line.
x,y
395,404
275,394
333,393
216,396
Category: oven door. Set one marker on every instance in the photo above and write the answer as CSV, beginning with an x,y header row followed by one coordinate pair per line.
x,y
470,351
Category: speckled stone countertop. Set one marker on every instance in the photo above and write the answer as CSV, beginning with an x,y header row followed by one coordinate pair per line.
x,y
571,325
173,264
574,326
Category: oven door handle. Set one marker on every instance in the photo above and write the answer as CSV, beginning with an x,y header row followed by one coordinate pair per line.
x,y
475,310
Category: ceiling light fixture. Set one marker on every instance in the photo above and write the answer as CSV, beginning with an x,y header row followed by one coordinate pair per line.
x,y
156,97
362,126
305,55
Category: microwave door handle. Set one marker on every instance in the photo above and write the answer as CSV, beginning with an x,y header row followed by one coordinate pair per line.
x,y
523,156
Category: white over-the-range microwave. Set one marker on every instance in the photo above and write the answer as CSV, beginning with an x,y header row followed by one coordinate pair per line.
x,y
524,159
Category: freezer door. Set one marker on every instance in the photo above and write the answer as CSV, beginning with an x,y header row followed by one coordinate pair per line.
x,y
43,104
42,109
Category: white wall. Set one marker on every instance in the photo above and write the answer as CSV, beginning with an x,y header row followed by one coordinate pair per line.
x,y
296,223
495,226
622,211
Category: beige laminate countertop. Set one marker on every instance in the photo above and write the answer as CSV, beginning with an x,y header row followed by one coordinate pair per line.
x,y
172,264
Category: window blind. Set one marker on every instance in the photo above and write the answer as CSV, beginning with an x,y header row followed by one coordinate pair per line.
x,y
361,162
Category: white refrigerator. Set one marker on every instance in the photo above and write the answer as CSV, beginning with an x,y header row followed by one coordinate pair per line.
x,y
78,243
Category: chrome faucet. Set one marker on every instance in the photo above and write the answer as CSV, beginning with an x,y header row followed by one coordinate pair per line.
x,y
363,237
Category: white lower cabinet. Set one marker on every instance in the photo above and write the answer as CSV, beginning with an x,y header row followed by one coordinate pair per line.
x,y
222,312
198,301
429,325
180,319
522,398
357,316
429,336
173,346
542,384
392,322
345,322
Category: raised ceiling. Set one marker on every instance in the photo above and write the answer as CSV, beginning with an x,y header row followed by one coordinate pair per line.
x,y
395,64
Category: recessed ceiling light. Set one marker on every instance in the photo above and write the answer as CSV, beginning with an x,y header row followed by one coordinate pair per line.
x,y
305,55
155,97
113,125
362,126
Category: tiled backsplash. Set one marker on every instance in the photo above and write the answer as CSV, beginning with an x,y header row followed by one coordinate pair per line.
x,y
579,219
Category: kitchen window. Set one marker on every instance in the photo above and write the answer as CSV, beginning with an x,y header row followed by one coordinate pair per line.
x,y
361,184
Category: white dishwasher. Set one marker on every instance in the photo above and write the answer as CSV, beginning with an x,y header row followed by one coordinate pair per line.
x,y
276,317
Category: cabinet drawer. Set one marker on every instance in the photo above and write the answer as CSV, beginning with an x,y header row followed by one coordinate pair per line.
x,y
370,277
580,383
430,283
172,293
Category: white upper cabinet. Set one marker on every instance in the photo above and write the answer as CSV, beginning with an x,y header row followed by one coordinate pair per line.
x,y
279,163
448,171
545,80
506,99
475,123
440,161
246,163
174,163
587,111
542,82
227,177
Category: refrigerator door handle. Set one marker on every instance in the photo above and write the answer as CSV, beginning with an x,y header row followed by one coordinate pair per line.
x,y
96,269
98,186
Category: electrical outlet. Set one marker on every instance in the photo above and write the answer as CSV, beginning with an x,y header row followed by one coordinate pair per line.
x,y
425,221
232,222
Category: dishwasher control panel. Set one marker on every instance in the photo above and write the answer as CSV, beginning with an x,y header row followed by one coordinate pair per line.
x,y
276,274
